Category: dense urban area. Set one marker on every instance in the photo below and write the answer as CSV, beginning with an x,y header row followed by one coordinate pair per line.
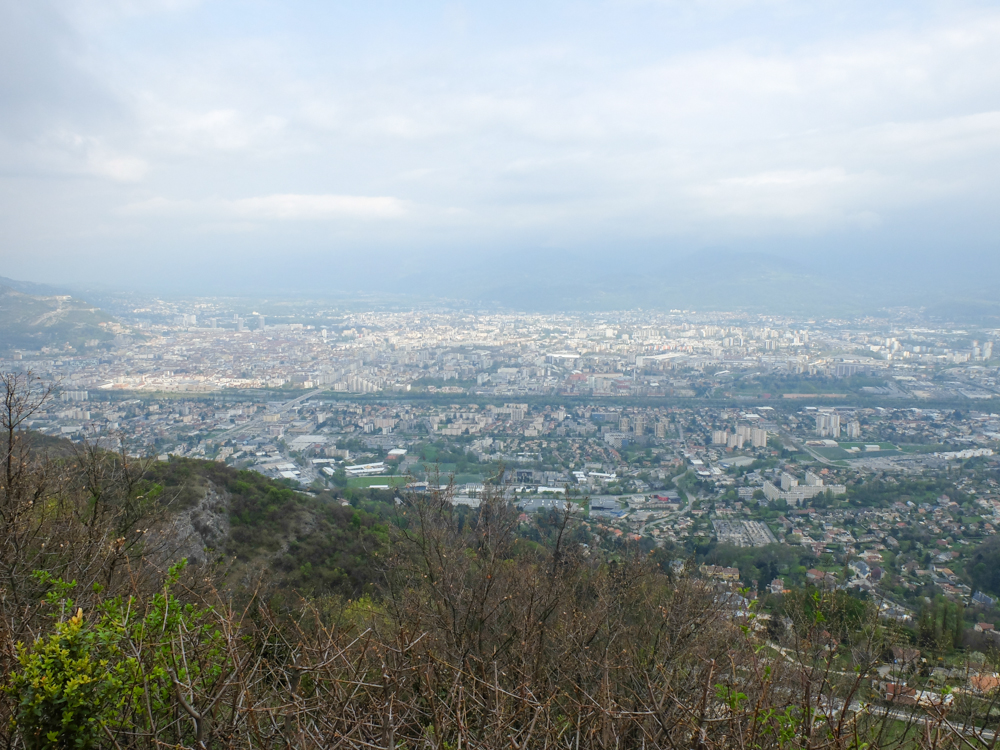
x,y
468,376
852,455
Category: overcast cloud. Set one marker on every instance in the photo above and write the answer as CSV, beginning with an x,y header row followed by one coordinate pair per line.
x,y
163,134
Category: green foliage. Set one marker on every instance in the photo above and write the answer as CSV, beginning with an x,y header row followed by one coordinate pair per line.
x,y
840,614
85,679
878,494
314,545
63,690
763,564
941,625
983,566
451,459
339,554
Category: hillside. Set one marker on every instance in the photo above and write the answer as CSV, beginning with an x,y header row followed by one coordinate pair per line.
x,y
298,620
30,322
309,544
33,288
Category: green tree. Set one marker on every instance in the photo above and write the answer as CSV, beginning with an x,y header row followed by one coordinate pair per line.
x,y
940,625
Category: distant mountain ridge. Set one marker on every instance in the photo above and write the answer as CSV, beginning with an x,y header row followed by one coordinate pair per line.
x,y
717,280
33,288
949,287
714,280
31,320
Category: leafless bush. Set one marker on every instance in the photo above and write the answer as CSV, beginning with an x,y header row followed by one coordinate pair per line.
x,y
476,640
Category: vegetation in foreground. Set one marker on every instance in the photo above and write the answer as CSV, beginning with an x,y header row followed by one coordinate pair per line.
x,y
463,631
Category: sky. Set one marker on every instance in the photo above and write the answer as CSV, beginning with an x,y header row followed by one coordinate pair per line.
x,y
224,145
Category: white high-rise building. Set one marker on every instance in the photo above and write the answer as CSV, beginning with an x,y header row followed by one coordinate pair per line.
x,y
758,438
828,424
813,480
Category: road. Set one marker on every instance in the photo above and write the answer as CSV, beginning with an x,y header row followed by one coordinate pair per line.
x,y
259,421
295,401
671,516
912,715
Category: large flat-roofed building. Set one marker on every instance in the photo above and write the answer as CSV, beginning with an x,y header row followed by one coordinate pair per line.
x,y
797,495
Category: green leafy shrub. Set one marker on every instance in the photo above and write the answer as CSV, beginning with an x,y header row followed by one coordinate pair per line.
x,y
63,689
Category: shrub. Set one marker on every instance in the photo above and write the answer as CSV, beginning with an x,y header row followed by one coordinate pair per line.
x,y
63,688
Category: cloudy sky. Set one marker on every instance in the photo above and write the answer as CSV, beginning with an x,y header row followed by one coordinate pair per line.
x,y
167,139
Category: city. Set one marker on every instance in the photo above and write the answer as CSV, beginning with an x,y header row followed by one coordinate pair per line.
x,y
670,430
446,375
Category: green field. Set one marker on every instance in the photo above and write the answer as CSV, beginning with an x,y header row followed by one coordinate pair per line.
x,y
840,453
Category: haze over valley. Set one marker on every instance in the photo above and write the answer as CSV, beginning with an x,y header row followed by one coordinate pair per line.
x,y
596,375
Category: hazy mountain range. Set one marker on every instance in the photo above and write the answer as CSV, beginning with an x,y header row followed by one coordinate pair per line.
x,y
950,288
35,315
946,286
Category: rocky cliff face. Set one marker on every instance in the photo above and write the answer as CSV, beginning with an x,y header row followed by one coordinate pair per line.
x,y
277,538
202,529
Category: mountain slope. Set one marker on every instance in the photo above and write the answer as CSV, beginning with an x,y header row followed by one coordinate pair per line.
x,y
33,288
30,322
309,544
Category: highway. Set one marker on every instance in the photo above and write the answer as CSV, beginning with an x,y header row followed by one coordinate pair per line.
x,y
257,422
